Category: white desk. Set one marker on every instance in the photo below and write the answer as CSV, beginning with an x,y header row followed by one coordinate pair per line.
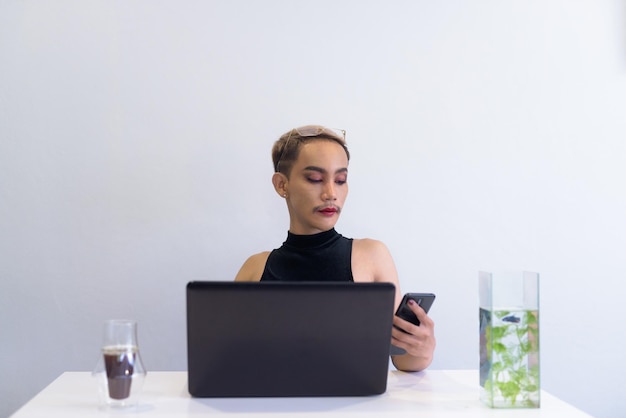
x,y
433,393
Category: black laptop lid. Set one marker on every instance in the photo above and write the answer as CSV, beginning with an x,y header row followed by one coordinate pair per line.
x,y
288,339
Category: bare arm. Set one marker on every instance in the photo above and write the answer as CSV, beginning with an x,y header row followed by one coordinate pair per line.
x,y
372,262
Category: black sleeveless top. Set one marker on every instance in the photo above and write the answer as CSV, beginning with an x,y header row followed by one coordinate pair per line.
x,y
326,256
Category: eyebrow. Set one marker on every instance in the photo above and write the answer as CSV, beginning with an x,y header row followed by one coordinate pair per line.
x,y
324,171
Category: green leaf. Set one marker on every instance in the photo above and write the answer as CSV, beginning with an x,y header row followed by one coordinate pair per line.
x,y
497,333
499,347
509,390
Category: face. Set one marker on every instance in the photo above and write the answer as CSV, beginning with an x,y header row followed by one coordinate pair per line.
x,y
317,187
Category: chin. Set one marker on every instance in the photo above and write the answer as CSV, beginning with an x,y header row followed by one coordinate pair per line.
x,y
327,226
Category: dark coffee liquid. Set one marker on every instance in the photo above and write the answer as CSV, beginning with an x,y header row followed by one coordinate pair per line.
x,y
119,363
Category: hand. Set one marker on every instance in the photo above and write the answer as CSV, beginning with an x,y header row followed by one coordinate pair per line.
x,y
417,340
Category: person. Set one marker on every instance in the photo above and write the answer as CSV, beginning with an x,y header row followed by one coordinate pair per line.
x,y
311,175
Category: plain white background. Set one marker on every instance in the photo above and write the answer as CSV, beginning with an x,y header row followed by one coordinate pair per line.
x,y
134,157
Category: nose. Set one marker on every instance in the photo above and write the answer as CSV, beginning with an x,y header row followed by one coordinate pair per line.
x,y
329,193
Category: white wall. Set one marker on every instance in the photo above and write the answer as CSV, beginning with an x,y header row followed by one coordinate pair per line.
x,y
134,157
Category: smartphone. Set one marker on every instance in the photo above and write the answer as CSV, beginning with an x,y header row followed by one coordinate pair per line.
x,y
425,300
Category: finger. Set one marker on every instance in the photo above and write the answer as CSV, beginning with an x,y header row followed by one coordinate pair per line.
x,y
406,331
401,339
417,310
402,325
420,313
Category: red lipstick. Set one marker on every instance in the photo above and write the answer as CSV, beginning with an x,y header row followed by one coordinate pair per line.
x,y
328,210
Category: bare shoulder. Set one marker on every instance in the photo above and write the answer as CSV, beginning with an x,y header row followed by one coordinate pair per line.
x,y
367,247
252,268
369,243
372,261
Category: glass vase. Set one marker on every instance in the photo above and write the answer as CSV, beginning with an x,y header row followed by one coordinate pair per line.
x,y
119,372
509,339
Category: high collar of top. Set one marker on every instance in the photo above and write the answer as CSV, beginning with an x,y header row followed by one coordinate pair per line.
x,y
319,240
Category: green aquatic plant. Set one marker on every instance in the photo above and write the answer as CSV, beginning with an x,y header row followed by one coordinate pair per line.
x,y
510,358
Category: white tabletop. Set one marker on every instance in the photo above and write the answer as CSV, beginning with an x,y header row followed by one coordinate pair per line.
x,y
433,393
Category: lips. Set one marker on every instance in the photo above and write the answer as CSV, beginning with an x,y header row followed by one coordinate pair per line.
x,y
328,211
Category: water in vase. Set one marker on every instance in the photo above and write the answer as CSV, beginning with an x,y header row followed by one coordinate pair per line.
x,y
509,357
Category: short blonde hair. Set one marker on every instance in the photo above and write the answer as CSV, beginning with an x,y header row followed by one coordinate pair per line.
x,y
287,148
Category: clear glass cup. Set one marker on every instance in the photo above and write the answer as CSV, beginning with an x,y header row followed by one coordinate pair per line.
x,y
509,339
119,372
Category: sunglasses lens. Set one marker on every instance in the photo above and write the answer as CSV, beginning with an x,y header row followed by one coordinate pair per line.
x,y
308,131
339,133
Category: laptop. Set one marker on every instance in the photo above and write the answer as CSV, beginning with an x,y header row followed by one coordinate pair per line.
x,y
287,339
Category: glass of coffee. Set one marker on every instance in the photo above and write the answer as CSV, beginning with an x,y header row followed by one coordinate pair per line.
x,y
120,372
